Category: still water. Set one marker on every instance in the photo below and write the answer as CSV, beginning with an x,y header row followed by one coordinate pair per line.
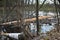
x,y
41,13
44,27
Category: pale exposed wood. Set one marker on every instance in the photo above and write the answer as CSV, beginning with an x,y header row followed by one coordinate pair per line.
x,y
27,20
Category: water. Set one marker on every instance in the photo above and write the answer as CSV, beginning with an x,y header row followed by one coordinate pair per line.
x,y
43,13
44,27
31,14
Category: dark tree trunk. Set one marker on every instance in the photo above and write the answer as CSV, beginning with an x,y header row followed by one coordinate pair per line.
x,y
59,1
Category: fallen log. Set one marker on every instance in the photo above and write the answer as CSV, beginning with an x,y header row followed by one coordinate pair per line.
x,y
26,20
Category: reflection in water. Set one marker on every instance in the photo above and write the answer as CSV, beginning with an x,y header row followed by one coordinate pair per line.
x,y
46,27
43,13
